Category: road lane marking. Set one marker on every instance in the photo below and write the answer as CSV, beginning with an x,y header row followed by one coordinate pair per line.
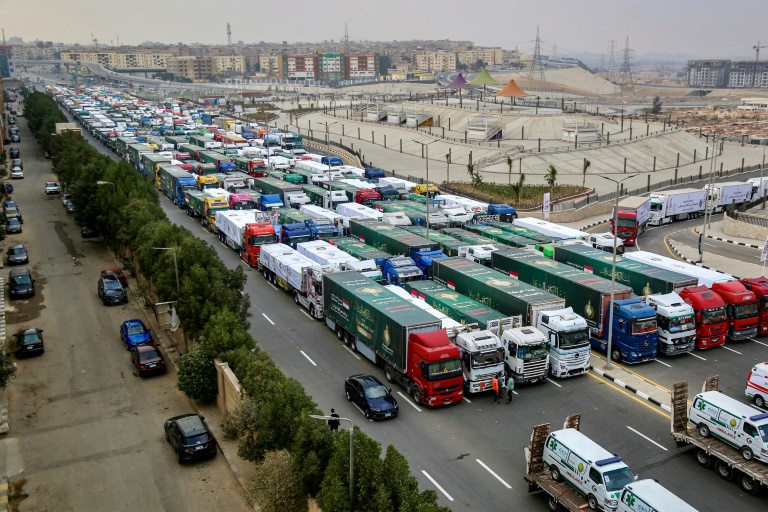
x,y
665,364
497,477
351,351
404,397
437,485
696,355
632,396
308,358
553,382
273,286
735,351
647,438
305,313
268,319
599,356
467,400
760,342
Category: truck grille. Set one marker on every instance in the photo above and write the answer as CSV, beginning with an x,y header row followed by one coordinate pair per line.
x,y
534,369
684,340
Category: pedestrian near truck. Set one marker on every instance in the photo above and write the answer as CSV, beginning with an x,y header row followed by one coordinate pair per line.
x,y
510,388
496,388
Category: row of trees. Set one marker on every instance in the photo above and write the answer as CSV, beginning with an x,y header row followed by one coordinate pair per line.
x,y
296,456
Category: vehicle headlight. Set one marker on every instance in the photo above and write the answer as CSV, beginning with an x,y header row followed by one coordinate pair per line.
x,y
612,503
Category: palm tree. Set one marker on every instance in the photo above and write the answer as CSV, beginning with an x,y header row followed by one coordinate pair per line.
x,y
587,164
551,179
471,172
519,191
509,164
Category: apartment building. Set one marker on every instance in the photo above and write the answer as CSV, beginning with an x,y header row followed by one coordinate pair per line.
x,y
271,65
197,69
726,73
491,56
439,60
229,64
121,60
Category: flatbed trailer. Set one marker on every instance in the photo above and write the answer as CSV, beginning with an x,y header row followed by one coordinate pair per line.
x,y
560,495
728,462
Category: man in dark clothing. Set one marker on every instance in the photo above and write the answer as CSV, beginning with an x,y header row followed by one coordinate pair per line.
x,y
334,424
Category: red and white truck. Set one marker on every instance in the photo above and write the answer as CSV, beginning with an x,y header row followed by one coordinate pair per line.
x,y
631,218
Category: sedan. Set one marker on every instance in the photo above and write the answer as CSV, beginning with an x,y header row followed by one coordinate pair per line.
x,y
71,207
148,360
14,152
17,255
16,162
15,138
111,291
12,226
29,342
6,188
134,333
65,198
115,273
20,283
189,437
370,395
17,173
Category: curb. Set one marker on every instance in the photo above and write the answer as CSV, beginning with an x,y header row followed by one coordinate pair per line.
x,y
692,262
633,390
4,494
594,224
753,246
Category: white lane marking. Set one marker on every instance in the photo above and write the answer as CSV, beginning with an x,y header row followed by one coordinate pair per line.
x,y
497,477
696,355
642,395
308,358
404,397
553,382
620,383
637,244
273,286
647,438
352,352
665,364
735,351
666,407
437,485
760,342
306,314
467,400
268,319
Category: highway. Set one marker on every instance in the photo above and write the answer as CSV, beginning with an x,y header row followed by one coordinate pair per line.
x,y
472,453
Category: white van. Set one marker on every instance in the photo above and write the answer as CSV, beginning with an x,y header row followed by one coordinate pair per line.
x,y
734,423
650,496
590,469
757,384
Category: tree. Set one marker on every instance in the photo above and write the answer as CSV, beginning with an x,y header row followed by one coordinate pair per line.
x,y
197,374
509,164
313,446
656,107
224,332
7,370
275,485
474,176
479,64
584,168
551,179
403,487
517,188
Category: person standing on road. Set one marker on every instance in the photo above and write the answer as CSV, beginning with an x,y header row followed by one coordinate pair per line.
x,y
510,388
334,424
496,389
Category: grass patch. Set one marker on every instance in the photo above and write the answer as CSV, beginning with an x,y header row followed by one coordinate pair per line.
x,y
531,196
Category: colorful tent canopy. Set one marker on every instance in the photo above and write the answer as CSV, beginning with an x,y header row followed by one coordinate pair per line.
x,y
459,83
511,90
484,78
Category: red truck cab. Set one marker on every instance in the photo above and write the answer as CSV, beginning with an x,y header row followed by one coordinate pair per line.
x,y
627,226
257,168
741,307
434,367
759,286
366,196
711,317
183,156
255,235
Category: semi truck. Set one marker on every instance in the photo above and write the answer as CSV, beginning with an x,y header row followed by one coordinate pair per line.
x,y
292,194
175,182
446,243
499,235
635,337
631,218
321,229
244,201
526,354
397,241
389,331
285,268
703,276
675,323
151,163
722,195
325,254
293,234
709,314
759,286
742,308
360,250
482,358
567,335
681,204
204,207
245,231
602,241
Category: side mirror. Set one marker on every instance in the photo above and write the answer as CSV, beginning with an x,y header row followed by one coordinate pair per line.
x,y
390,391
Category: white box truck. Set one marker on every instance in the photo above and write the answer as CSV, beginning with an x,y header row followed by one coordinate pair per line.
x,y
650,496
722,195
682,204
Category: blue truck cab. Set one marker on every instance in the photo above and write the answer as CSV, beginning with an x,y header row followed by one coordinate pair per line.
x,y
321,229
269,202
182,186
424,258
227,166
399,270
295,233
388,193
505,212
635,335
374,173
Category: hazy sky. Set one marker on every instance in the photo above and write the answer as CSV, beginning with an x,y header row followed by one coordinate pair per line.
x,y
706,28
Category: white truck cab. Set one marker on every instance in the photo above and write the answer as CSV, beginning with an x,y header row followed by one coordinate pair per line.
x,y
482,357
478,253
604,242
568,336
526,354
676,324
757,384
457,215
649,495
396,219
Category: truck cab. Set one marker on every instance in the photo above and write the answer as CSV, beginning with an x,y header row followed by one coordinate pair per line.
x,y
505,212
366,196
526,354
741,306
333,198
211,206
482,357
268,202
374,173
635,333
399,270
457,215
256,235
429,190
568,337
676,324
605,242
388,193
478,253
424,258
207,181
710,315
321,229
759,286
292,234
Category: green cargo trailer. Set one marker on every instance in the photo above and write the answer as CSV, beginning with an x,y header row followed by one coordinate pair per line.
x,y
468,237
588,295
494,289
417,198
175,140
521,231
315,194
135,151
399,206
199,140
499,235
641,277
305,174
448,244
459,307
346,187
359,250
151,163
211,157
290,178
193,150
292,215
389,238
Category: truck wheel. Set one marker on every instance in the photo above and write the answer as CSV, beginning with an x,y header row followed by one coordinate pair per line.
x,y
416,392
312,311
592,502
296,297
340,333
552,504
704,430
616,354
748,484
747,453
554,472
703,458
389,373
759,401
347,339
724,471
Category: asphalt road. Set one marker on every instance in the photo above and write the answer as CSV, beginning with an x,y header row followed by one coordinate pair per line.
x,y
85,432
472,453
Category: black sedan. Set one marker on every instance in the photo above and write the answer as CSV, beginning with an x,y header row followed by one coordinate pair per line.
x,y
15,138
190,437
111,291
29,342
21,284
17,255
371,396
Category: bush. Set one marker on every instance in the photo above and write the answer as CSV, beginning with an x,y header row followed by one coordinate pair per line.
x,y
274,485
197,374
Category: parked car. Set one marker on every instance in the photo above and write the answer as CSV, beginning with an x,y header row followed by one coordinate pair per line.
x,y
65,198
111,291
12,226
16,162
189,437
71,207
21,283
14,152
134,333
17,173
116,273
89,232
15,138
29,342
148,360
368,393
12,212
51,187
47,155
7,188
17,255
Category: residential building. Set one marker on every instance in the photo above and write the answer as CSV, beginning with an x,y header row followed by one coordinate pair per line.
x,y
229,64
439,60
271,65
300,67
332,66
197,69
121,60
361,66
490,56
726,73
7,62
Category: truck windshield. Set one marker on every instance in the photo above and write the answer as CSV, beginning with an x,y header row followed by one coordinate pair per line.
x,y
443,369
745,310
328,235
627,223
261,240
713,316
763,429
681,323
532,351
617,479
655,207
574,339
489,358
644,325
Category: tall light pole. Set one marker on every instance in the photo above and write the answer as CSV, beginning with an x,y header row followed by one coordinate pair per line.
x,y
762,168
351,449
178,288
613,267
425,146
708,188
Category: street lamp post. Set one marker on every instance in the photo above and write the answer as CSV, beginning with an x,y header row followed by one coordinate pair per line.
x,y
351,449
425,145
178,287
613,269
708,206
114,188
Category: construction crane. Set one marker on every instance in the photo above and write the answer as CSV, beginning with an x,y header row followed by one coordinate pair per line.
x,y
757,50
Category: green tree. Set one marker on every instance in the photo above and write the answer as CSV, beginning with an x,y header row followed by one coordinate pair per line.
x,y
275,485
517,188
403,487
7,370
224,332
551,180
197,374
474,176
313,446
509,165
586,165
